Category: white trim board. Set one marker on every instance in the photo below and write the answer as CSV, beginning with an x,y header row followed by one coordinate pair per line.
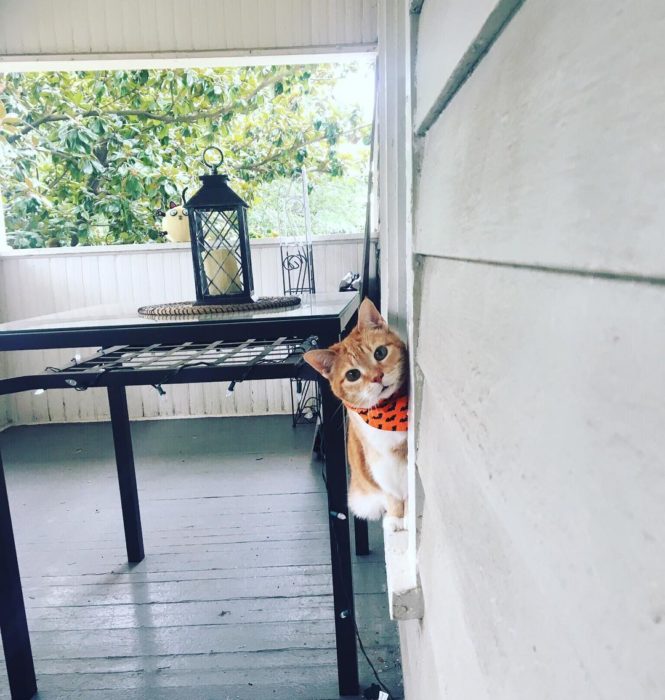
x,y
297,55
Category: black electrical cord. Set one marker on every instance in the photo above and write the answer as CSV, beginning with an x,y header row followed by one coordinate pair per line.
x,y
383,686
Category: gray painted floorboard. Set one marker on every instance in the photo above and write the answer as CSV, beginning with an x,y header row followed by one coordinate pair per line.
x,y
233,599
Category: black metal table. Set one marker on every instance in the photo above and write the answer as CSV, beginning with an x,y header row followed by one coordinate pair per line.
x,y
139,351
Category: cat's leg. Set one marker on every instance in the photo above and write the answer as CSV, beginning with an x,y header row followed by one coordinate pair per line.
x,y
390,475
393,520
395,506
366,500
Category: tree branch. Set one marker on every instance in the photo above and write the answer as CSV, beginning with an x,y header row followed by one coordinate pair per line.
x,y
297,145
146,114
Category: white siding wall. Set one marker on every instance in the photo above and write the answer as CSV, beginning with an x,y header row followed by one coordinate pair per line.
x,y
540,317
51,281
42,29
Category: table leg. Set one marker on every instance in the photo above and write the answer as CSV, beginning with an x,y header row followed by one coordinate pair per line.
x,y
340,544
361,536
124,458
13,623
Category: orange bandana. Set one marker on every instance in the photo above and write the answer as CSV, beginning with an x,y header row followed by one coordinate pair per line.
x,y
391,414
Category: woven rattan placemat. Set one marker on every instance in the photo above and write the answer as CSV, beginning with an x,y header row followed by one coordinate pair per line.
x,y
189,308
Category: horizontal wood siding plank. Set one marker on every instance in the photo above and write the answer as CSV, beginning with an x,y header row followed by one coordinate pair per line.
x,y
540,448
447,30
549,154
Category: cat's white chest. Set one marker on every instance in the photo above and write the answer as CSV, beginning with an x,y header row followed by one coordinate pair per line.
x,y
384,451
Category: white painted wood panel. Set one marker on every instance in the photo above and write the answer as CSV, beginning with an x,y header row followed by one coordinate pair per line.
x,y
452,37
540,448
41,29
552,153
446,29
36,282
393,132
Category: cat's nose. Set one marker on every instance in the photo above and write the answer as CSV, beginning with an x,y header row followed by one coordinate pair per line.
x,y
378,378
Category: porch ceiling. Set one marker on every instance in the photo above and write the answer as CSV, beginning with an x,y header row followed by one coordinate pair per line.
x,y
46,30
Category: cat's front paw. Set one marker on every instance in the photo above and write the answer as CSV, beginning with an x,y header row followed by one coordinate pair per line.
x,y
391,523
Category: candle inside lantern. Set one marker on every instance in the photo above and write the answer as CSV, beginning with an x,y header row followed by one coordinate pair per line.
x,y
221,269
220,240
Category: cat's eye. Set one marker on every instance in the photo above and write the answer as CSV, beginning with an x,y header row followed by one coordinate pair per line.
x,y
173,212
380,353
185,212
353,375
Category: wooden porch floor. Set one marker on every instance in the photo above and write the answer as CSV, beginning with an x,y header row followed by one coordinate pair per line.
x,y
233,599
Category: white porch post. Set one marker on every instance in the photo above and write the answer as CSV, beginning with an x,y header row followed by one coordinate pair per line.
x,y
395,233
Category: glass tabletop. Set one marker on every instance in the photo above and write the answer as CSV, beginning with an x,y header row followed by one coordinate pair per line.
x,y
115,317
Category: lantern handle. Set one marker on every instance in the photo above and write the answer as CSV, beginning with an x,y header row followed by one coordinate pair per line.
x,y
213,166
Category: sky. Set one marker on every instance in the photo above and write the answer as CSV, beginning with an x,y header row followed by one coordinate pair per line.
x,y
357,88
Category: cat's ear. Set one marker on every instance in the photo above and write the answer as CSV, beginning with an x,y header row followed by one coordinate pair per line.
x,y
369,317
172,205
321,360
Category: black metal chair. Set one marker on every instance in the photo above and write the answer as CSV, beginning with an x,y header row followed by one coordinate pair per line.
x,y
298,278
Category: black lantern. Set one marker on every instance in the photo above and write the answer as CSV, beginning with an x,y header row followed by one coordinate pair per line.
x,y
220,241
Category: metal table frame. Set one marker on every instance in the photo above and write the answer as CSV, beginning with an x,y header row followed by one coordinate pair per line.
x,y
166,340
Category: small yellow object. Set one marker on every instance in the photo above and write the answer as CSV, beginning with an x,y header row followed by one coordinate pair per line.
x,y
175,225
221,268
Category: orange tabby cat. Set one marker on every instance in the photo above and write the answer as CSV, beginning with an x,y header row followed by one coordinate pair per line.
x,y
368,371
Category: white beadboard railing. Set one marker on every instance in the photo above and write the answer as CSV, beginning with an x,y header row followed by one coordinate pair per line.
x,y
34,283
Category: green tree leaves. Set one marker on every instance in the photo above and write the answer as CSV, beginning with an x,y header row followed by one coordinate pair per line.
x,y
88,157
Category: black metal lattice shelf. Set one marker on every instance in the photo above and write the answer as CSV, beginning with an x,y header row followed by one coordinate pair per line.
x,y
158,363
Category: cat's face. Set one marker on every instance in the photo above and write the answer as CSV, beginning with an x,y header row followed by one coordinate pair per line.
x,y
179,212
368,366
